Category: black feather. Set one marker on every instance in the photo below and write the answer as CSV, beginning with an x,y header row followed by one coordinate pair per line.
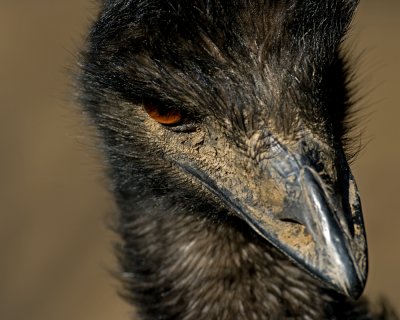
x,y
235,63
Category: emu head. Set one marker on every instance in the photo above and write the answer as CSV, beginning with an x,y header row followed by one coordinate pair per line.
x,y
238,104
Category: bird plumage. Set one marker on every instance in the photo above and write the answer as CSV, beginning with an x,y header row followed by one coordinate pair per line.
x,y
261,89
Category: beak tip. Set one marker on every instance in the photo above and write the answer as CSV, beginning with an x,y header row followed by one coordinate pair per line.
x,y
357,285
350,283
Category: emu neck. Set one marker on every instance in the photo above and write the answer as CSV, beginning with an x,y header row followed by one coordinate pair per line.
x,y
181,266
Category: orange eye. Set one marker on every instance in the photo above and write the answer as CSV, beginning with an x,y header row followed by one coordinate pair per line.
x,y
167,116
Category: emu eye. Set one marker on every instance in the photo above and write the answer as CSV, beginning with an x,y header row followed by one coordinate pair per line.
x,y
166,116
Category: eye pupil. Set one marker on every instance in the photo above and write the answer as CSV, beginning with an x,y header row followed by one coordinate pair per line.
x,y
163,116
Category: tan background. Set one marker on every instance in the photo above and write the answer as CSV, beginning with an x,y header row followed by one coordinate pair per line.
x,y
55,251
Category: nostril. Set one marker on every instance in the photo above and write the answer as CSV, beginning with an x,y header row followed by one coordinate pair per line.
x,y
290,220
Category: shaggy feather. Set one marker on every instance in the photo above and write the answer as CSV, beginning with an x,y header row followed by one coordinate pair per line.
x,y
244,65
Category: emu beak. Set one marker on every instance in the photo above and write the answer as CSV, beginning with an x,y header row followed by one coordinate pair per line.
x,y
319,226
333,223
317,223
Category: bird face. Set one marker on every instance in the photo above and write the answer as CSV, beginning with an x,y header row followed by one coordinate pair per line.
x,y
247,107
296,190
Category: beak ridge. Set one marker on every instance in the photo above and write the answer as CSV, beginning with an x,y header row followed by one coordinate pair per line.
x,y
325,221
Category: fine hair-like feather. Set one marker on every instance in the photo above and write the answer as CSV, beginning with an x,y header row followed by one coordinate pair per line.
x,y
232,69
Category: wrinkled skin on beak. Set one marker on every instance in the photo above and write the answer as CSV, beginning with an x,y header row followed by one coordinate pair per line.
x,y
300,195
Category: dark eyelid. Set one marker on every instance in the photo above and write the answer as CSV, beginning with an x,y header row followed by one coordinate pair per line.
x,y
184,127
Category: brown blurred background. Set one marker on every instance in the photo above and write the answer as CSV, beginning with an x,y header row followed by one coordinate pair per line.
x,y
55,251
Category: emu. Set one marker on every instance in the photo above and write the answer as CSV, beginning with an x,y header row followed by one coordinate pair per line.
x,y
226,129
